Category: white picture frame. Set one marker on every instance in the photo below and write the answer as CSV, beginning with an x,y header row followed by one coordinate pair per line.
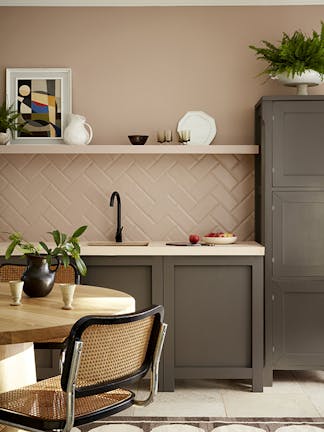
x,y
43,97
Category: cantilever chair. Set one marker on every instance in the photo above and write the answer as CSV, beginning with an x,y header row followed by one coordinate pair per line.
x,y
104,353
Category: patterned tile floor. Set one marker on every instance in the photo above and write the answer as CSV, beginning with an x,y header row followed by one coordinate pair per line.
x,y
293,394
183,424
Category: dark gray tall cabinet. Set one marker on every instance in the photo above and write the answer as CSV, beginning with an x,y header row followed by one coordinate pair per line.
x,y
290,223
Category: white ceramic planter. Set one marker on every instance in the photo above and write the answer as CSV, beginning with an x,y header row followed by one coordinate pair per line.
x,y
5,137
307,79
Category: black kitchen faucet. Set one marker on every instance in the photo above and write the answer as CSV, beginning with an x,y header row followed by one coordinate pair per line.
x,y
118,236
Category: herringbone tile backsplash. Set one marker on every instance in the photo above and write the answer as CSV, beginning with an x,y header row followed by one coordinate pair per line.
x,y
164,197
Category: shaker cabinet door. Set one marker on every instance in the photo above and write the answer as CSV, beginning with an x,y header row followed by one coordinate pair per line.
x,y
298,234
141,277
214,310
298,324
298,143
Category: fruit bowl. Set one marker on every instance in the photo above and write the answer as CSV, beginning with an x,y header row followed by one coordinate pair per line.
x,y
219,240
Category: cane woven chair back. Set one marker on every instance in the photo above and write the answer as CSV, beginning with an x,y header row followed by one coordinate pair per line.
x,y
63,274
10,272
119,350
67,274
113,349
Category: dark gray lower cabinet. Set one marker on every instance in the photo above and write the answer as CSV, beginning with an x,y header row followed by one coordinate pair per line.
x,y
47,362
214,307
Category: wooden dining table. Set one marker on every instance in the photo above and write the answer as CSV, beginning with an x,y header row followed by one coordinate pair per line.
x,y
42,318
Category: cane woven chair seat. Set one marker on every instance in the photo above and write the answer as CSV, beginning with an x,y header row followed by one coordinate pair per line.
x,y
104,354
63,274
47,401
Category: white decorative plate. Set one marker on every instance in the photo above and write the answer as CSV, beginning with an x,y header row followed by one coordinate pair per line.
x,y
201,125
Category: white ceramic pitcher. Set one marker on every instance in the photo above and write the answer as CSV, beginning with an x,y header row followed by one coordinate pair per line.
x,y
76,132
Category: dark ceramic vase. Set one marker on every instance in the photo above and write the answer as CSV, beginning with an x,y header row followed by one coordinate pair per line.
x,y
38,277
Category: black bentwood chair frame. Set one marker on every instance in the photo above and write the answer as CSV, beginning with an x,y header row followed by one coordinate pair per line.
x,y
103,355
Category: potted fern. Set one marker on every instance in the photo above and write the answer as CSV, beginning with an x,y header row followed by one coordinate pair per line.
x,y
9,123
298,60
39,277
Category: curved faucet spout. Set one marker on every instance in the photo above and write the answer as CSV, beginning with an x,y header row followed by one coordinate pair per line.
x,y
119,229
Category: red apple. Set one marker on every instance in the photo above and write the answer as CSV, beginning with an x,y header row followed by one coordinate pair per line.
x,y
194,238
219,234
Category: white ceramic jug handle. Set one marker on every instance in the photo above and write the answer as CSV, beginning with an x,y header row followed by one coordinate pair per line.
x,y
91,133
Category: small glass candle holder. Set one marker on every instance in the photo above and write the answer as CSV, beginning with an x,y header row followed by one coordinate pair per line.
x,y
67,290
184,136
168,135
160,136
16,288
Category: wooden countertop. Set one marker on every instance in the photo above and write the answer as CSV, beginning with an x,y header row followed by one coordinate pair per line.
x,y
159,248
42,318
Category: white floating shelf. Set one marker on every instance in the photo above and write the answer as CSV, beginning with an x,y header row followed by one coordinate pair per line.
x,y
127,149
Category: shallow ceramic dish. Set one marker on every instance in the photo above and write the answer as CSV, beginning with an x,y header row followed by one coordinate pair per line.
x,y
202,127
218,240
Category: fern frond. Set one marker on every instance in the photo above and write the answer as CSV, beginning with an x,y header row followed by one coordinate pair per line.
x,y
294,54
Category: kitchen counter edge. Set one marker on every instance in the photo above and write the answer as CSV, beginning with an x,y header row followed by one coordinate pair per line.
x,y
159,248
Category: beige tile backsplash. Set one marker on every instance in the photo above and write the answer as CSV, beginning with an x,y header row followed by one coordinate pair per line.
x,y
163,197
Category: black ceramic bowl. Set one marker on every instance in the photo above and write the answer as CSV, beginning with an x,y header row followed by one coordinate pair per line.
x,y
138,139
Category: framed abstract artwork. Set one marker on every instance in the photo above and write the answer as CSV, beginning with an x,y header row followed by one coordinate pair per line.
x,y
43,98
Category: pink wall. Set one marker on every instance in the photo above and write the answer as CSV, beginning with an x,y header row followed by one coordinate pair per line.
x,y
136,70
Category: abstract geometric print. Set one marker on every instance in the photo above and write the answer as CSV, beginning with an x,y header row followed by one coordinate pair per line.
x,y
39,103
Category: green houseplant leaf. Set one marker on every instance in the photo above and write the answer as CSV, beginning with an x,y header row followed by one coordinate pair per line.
x,y
66,248
79,231
10,119
294,54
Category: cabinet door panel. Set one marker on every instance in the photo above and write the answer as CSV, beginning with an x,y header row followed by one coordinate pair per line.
x,y
212,309
298,234
135,281
298,323
141,277
298,143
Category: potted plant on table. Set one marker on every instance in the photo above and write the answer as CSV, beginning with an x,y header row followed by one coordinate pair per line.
x,y
9,123
39,277
298,60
